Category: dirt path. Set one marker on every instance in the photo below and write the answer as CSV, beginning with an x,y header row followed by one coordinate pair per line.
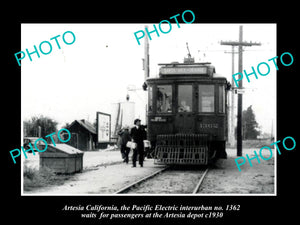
x,y
101,180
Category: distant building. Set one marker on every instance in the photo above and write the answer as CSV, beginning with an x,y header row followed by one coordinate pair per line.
x,y
83,135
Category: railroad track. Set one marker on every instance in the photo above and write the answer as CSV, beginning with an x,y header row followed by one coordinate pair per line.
x,y
196,189
168,180
130,186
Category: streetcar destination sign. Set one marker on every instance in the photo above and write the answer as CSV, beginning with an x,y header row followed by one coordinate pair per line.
x,y
182,70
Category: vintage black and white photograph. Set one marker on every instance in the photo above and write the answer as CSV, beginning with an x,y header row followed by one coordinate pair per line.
x,y
149,109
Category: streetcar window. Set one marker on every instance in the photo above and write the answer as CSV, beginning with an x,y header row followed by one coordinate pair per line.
x,y
185,98
150,98
206,98
164,99
221,99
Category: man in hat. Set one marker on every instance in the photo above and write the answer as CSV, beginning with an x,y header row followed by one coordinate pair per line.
x,y
138,135
124,138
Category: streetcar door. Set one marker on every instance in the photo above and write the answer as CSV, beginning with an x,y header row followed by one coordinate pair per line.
x,y
184,119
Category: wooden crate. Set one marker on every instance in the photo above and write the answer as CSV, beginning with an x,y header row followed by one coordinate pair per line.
x,y
62,158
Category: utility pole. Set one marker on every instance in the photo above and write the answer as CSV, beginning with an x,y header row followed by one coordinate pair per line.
x,y
146,74
146,58
231,114
240,45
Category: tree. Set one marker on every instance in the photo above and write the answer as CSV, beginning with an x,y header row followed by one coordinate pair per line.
x,y
31,127
250,126
66,125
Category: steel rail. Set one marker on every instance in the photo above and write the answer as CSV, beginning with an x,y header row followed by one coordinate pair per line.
x,y
200,182
128,187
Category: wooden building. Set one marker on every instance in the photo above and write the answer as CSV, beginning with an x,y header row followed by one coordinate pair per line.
x,y
84,135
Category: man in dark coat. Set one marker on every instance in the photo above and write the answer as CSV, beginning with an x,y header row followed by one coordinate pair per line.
x,y
138,135
124,138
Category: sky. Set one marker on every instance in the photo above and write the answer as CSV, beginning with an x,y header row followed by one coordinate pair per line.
x,y
91,74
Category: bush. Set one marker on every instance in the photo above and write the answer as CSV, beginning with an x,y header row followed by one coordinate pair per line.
x,y
34,178
258,143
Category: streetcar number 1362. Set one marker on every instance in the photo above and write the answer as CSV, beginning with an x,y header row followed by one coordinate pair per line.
x,y
233,207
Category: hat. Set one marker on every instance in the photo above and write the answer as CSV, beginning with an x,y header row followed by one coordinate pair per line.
x,y
135,121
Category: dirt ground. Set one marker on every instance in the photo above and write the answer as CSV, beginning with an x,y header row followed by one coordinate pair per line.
x,y
104,173
225,178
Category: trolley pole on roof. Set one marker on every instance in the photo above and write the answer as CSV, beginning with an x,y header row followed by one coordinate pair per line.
x,y
240,44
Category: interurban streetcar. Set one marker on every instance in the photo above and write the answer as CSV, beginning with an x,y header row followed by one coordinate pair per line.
x,y
187,115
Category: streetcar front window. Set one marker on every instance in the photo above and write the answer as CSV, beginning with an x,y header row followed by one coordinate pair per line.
x,y
164,99
206,98
185,98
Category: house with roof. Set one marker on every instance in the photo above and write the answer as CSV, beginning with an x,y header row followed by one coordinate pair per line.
x,y
83,135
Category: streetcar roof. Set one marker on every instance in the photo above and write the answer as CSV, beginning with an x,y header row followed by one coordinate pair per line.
x,y
177,63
